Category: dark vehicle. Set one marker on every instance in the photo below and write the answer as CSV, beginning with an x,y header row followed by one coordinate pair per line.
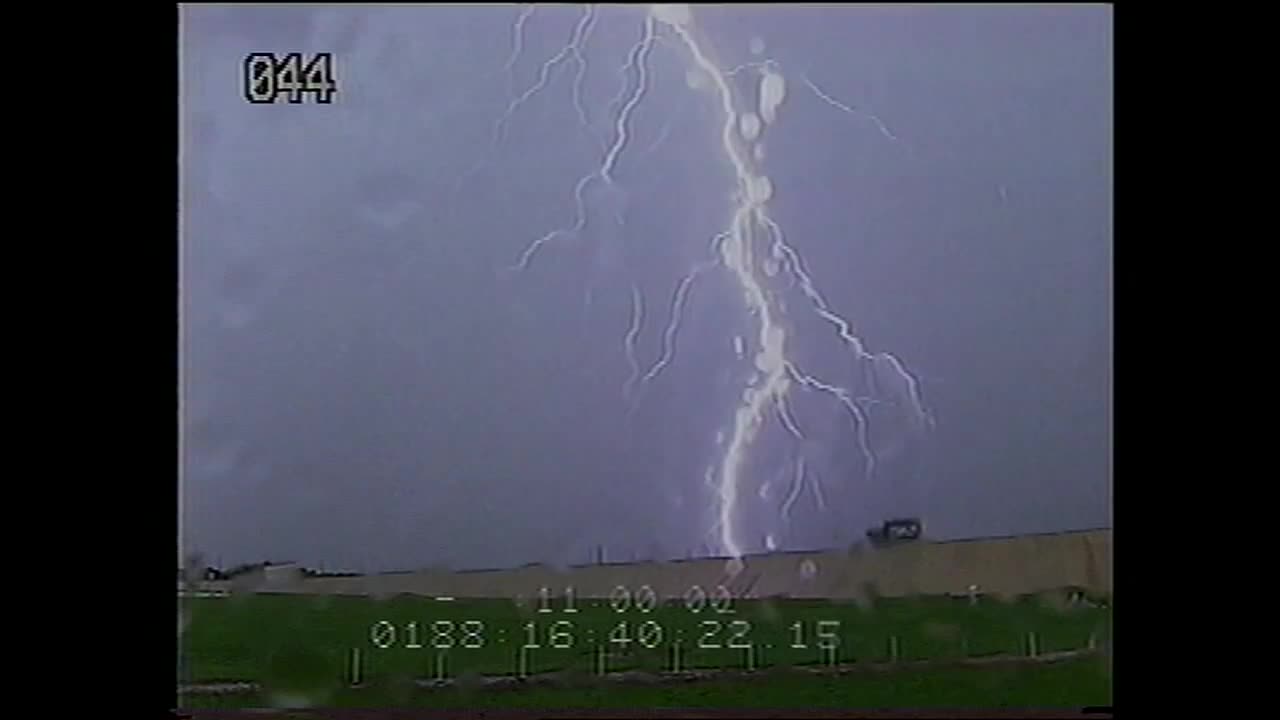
x,y
895,531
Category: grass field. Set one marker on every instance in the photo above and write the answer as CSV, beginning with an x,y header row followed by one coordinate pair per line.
x,y
1068,684
303,645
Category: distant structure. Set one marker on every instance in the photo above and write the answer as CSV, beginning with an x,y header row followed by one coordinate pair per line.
x,y
201,582
267,577
895,531
902,562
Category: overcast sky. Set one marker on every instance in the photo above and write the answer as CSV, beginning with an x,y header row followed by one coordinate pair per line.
x,y
373,379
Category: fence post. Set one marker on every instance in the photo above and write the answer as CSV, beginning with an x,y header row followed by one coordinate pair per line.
x,y
355,668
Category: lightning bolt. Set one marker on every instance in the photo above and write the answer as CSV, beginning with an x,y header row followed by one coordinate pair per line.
x,y
639,53
856,414
770,359
580,33
574,49
517,46
788,421
677,311
665,132
757,65
844,329
752,249
636,60
629,340
884,129
816,485
797,484
588,22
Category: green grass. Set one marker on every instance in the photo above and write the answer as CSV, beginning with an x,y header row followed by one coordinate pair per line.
x,y
1067,684
301,643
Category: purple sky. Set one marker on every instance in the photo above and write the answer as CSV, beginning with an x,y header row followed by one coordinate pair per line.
x,y
368,383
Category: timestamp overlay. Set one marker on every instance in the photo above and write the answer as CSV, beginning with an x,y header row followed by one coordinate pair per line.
x,y
630,630
729,339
